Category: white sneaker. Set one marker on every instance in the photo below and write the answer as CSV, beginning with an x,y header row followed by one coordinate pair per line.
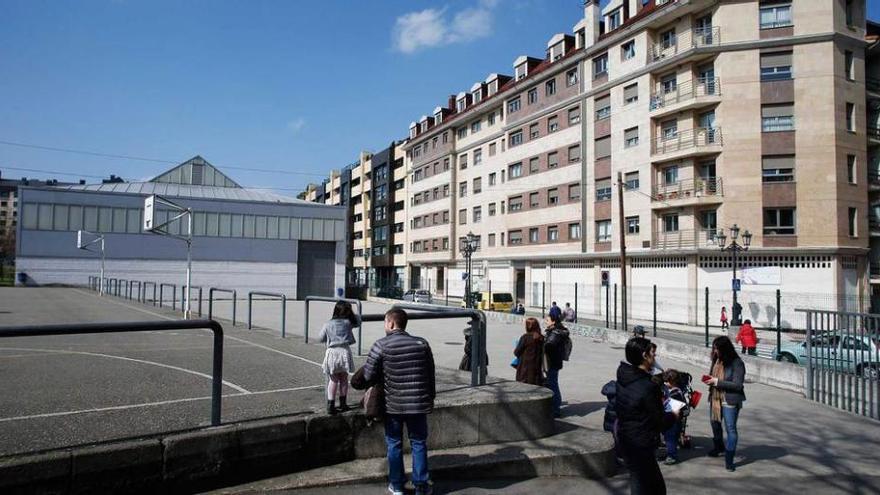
x,y
394,491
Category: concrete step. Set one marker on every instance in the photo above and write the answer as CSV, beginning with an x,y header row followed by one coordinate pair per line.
x,y
573,451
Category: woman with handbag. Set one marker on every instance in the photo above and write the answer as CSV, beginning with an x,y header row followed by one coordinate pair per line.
x,y
530,354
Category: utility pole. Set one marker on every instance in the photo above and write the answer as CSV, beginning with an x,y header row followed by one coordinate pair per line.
x,y
622,230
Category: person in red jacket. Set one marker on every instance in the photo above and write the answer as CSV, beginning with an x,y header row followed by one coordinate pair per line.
x,y
748,338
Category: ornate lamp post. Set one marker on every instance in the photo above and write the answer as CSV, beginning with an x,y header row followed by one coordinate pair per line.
x,y
735,247
467,249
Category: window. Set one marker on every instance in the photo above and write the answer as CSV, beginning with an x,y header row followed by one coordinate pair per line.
x,y
513,105
516,138
515,237
603,147
492,209
381,173
491,119
492,149
61,215
553,196
600,66
461,104
476,96
475,126
574,115
462,189
851,117
445,137
631,137
445,164
574,231
603,190
533,235
628,50
550,87
668,129
574,153
850,17
632,225
853,216
515,203
532,96
445,190
492,178
571,77
851,169
445,216
381,192
462,216
668,84
553,233
478,156
776,118
534,165
779,221
603,107
631,181
379,214
533,200
533,131
552,124
670,175
849,65
462,161
462,132
670,223
668,39
552,160
774,16
491,240
515,170
775,66
614,19
477,214
603,231
631,94
778,168
398,249
478,185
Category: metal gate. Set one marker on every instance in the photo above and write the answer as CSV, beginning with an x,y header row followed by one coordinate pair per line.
x,y
315,269
842,356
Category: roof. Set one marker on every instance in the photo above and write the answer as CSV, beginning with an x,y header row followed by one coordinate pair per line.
x,y
196,171
186,191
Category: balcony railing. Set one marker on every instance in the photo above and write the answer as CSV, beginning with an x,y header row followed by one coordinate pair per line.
x,y
873,132
875,269
682,140
872,84
688,40
686,91
874,223
874,178
685,239
691,188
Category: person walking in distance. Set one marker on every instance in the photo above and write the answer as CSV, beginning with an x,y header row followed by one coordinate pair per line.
x,y
338,361
748,338
724,324
555,310
405,364
557,344
640,418
726,396
530,353
568,314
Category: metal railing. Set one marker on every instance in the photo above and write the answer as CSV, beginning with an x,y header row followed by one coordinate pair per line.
x,y
873,132
283,298
685,42
685,238
686,91
688,188
140,286
872,84
842,356
173,295
333,300
683,140
140,326
121,284
183,296
211,292
144,300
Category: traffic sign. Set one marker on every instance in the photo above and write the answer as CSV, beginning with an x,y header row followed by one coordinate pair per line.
x,y
737,284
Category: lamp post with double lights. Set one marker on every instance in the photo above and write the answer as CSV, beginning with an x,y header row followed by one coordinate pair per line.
x,y
735,247
467,249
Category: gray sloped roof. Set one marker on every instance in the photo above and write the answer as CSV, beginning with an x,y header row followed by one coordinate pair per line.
x,y
186,191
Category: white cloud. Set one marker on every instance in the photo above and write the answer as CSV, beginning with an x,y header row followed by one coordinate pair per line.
x,y
433,27
296,125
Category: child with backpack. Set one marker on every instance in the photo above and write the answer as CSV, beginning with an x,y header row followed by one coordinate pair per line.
x,y
557,348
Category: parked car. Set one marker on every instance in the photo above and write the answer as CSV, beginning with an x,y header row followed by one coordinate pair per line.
x,y
852,353
390,292
418,295
501,301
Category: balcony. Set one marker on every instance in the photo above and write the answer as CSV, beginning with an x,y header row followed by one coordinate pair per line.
x,y
692,142
688,192
872,86
874,225
685,239
873,132
686,96
685,42
874,181
874,267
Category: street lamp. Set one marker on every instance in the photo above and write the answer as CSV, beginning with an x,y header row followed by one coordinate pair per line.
x,y
366,269
735,247
467,249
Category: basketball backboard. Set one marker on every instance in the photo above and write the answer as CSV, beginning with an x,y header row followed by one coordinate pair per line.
x,y
149,213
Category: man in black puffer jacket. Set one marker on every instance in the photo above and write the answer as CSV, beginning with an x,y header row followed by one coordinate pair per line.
x,y
406,365
640,417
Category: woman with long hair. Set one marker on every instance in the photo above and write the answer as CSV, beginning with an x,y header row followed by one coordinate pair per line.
x,y
338,360
530,351
726,396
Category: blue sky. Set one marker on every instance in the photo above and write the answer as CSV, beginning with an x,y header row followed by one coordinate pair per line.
x,y
284,85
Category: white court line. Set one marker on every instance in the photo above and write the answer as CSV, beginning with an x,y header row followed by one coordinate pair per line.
x,y
142,361
149,404
294,356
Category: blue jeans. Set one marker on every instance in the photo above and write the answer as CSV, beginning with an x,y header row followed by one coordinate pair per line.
x,y
671,437
417,431
729,414
553,385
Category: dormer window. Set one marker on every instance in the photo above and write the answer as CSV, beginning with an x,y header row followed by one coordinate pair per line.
x,y
460,105
477,96
614,20
521,72
425,126
438,117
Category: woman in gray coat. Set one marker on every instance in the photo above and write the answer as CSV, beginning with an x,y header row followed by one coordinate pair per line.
x,y
338,360
726,395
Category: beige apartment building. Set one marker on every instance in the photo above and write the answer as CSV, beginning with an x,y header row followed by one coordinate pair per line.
x,y
712,113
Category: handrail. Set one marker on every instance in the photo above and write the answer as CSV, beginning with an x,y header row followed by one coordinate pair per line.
x,y
140,288
335,299
120,287
173,294
686,188
686,91
211,292
139,326
183,297
283,297
685,42
690,138
144,300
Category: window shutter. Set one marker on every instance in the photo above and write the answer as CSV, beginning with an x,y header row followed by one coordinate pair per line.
x,y
785,110
775,59
603,147
774,162
631,91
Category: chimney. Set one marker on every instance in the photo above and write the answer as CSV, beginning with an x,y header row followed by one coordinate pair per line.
x,y
82,182
451,103
592,16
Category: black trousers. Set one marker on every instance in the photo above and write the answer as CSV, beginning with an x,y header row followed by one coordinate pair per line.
x,y
645,477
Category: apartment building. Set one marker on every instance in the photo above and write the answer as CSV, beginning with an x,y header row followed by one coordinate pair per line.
x,y
872,108
711,113
374,189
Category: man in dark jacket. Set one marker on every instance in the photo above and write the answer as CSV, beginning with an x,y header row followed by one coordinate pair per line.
x,y
555,338
406,365
640,417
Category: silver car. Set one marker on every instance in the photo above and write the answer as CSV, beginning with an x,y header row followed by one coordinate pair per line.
x,y
850,353
418,295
